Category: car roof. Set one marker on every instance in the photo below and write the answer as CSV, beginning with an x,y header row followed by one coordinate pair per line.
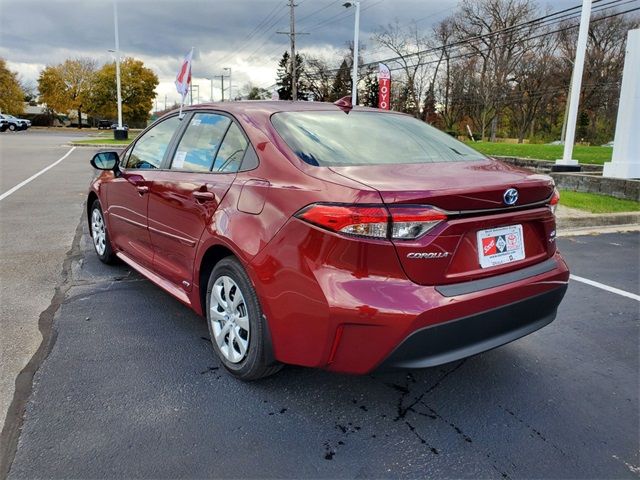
x,y
268,107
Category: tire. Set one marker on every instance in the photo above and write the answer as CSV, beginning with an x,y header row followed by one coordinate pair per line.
x,y
100,235
227,280
12,127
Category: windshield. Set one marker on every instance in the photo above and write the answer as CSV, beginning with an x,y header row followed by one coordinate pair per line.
x,y
367,138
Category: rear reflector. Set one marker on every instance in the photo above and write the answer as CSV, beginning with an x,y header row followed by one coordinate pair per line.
x,y
402,223
555,200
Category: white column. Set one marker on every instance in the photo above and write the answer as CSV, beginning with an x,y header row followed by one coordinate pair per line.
x,y
576,85
625,162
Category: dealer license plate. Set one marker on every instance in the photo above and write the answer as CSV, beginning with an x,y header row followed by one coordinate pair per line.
x,y
497,246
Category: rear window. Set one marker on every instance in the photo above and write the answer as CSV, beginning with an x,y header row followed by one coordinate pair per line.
x,y
367,138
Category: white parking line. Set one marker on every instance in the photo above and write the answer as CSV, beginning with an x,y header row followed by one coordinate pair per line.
x,y
617,291
33,177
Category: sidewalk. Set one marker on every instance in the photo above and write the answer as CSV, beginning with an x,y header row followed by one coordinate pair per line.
x,y
572,218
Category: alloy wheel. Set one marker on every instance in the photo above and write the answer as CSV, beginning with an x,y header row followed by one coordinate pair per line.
x,y
229,319
98,231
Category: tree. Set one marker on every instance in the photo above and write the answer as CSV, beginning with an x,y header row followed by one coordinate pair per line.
x,y
138,84
410,48
258,93
67,86
496,54
284,80
342,82
369,94
12,98
318,78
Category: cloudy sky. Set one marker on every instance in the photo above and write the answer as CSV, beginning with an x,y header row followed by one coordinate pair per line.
x,y
239,34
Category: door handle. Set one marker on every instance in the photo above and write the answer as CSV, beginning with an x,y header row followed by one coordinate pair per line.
x,y
142,189
204,196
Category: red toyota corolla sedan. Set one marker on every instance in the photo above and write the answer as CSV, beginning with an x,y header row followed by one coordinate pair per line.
x,y
319,235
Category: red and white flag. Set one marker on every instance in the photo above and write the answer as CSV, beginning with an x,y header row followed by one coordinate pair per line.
x,y
183,79
384,86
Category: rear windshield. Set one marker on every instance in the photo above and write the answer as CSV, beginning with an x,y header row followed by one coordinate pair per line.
x,y
367,138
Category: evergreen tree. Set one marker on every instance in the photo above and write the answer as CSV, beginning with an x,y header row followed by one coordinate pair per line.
x,y
342,83
283,79
369,97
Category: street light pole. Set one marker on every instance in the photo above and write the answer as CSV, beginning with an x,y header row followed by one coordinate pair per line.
x,y
356,33
117,52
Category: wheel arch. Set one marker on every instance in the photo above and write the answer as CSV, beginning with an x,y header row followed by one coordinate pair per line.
x,y
212,255
92,197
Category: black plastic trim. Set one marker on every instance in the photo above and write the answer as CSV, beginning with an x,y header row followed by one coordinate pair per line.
x,y
457,339
472,286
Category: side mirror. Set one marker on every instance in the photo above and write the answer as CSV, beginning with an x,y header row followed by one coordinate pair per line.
x,y
105,161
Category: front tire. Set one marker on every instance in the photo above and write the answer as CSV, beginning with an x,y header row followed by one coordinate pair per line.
x,y
236,323
100,235
12,127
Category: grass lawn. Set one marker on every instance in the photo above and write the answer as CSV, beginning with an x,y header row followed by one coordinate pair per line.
x,y
595,155
594,203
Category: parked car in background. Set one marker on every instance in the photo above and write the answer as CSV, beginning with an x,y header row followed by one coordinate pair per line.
x,y
124,126
328,236
104,124
16,123
4,125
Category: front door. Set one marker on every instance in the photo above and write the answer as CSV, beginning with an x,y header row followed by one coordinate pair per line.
x,y
184,198
128,194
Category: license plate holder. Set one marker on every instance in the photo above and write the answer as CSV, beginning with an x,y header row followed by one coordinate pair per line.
x,y
499,246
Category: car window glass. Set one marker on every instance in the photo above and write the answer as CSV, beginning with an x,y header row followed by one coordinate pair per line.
x,y
329,138
231,151
198,146
150,148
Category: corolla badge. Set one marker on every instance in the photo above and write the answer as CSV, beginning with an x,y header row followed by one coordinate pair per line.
x,y
510,196
428,255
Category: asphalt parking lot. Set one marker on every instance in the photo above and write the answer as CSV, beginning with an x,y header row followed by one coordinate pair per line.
x,y
130,387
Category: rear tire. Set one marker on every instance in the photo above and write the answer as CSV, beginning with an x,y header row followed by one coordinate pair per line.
x,y
12,127
236,323
100,235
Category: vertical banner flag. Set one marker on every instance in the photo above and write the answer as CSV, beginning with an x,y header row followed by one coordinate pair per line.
x,y
384,86
183,79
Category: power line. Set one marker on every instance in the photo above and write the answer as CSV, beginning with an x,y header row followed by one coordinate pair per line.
x,y
545,20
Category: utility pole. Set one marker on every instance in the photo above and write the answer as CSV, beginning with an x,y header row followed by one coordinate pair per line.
x,y
292,38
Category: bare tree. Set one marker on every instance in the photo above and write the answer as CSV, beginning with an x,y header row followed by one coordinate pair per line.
x,y
411,49
496,32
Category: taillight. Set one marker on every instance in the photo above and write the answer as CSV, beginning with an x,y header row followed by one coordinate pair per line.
x,y
555,199
401,223
408,223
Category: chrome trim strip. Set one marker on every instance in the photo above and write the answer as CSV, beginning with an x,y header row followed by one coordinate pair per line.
x,y
501,209
185,241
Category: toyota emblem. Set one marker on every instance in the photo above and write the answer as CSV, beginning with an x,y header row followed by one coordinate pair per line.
x,y
510,196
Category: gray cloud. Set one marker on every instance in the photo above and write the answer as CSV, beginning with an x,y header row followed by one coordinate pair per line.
x,y
34,33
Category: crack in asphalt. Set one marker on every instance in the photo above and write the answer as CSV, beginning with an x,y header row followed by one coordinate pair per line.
x,y
24,381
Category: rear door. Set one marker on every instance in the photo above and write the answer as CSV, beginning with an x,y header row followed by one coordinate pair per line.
x,y
184,197
127,194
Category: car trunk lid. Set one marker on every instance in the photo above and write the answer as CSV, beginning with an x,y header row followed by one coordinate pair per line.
x,y
472,195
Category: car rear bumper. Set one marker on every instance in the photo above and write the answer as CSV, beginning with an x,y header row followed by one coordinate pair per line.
x,y
431,326
444,343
